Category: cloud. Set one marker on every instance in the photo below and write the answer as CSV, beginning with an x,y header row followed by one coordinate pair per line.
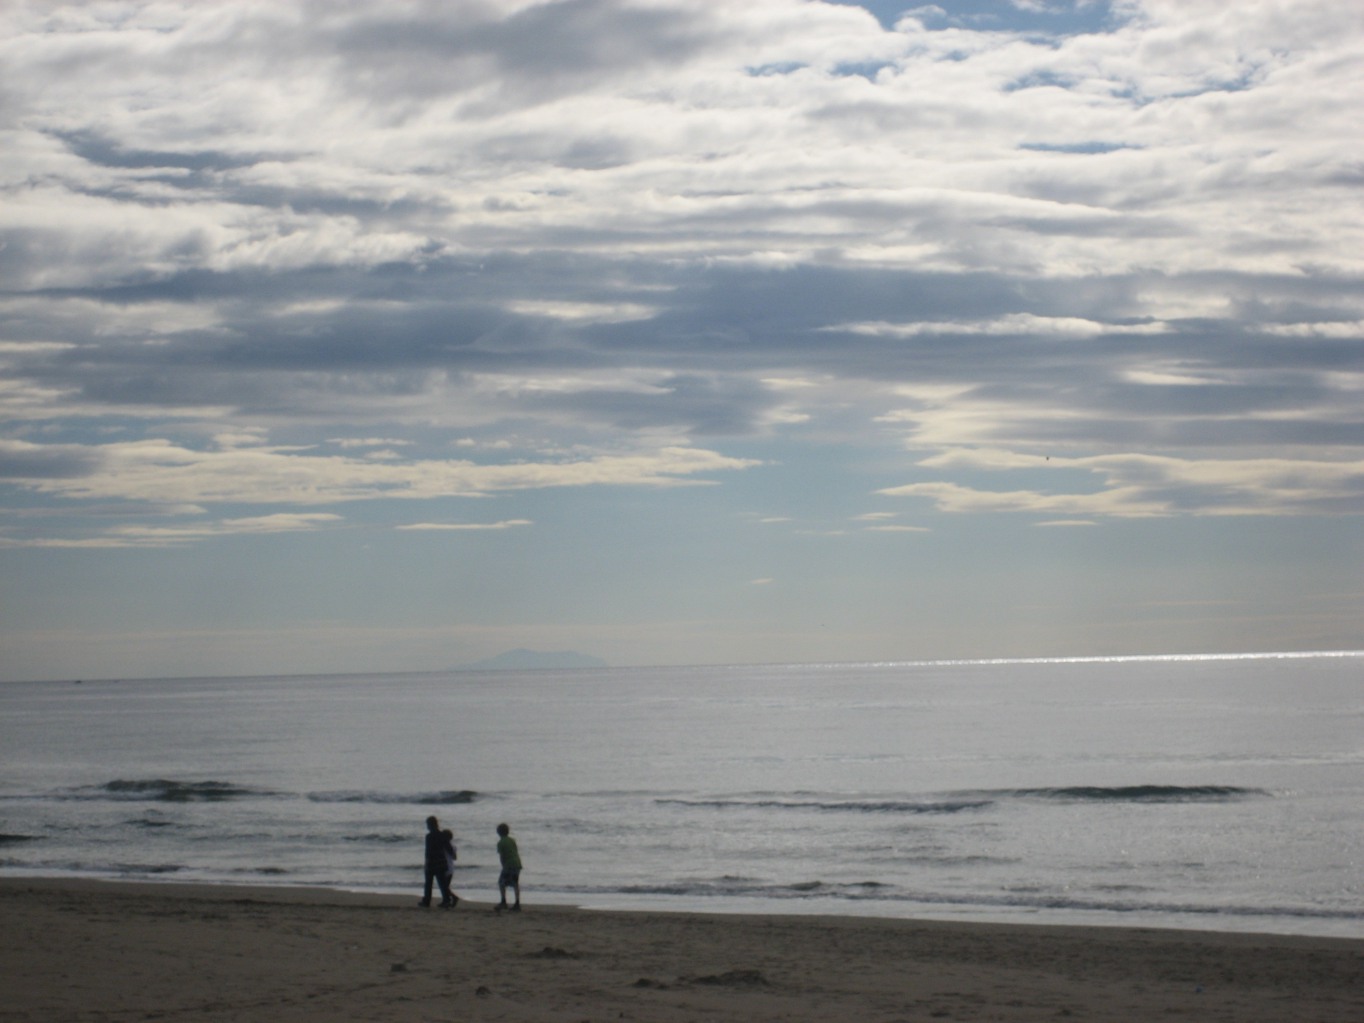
x,y
174,536
954,498
159,471
1012,324
616,242
1144,486
464,526
583,312
368,442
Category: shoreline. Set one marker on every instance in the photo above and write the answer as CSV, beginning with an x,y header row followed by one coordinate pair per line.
x,y
1211,922
77,949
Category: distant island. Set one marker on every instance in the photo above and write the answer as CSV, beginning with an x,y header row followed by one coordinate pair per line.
x,y
530,660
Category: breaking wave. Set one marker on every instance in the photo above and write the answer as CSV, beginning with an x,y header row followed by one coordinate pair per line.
x,y
447,797
957,802
164,790
1142,793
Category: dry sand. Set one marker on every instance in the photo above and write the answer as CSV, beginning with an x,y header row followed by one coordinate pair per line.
x,y
92,951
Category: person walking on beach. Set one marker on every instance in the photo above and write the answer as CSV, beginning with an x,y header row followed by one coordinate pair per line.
x,y
511,868
450,855
437,864
451,899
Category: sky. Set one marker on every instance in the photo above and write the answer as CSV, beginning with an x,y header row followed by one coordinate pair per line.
x,y
350,336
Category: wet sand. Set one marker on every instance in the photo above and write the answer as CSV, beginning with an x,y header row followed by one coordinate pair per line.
x,y
107,951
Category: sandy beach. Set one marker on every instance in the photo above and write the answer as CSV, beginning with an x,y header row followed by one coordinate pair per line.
x,y
88,950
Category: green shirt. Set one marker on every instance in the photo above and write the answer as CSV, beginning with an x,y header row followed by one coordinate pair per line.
x,y
506,851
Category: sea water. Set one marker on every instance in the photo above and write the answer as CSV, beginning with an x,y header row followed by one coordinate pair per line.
x,y
1222,793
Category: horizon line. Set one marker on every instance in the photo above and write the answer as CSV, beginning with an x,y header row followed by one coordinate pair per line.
x,y
934,662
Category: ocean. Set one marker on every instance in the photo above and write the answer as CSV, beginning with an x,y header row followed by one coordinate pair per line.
x,y
1217,793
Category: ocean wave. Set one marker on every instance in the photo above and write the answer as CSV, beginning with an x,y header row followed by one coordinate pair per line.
x,y
153,869
383,839
910,806
1125,903
1141,793
958,802
165,790
1053,901
447,797
739,887
964,860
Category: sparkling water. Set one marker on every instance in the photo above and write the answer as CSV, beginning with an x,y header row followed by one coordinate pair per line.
x,y
1219,793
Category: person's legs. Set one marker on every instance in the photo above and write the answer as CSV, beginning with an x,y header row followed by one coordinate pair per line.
x,y
426,893
509,879
505,880
447,899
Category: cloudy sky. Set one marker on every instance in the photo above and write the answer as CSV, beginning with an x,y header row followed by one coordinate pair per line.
x,y
339,335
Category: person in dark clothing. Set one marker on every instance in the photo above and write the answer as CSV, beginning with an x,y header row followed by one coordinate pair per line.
x,y
437,864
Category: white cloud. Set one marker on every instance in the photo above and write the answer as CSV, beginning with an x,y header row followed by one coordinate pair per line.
x,y
465,526
620,381
583,312
300,220
1146,485
1171,374
954,498
368,442
1014,323
174,536
689,154
159,471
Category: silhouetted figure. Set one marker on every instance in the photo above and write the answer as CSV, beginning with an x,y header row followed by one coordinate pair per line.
x,y
451,899
437,863
511,868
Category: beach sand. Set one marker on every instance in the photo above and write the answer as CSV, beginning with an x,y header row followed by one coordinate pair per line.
x,y
108,951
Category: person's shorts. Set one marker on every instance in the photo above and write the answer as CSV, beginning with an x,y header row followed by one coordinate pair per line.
x,y
509,879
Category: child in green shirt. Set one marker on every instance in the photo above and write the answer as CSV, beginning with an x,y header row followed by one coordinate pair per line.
x,y
511,868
